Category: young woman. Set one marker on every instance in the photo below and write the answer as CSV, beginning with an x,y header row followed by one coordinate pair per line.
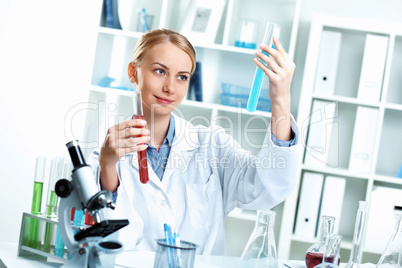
x,y
197,174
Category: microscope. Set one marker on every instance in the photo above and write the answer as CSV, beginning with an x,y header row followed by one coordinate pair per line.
x,y
88,247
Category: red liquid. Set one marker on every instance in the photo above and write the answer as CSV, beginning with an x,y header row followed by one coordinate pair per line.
x,y
313,259
142,160
88,219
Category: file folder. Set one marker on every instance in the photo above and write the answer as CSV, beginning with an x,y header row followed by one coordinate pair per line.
x,y
363,139
372,72
321,130
332,199
307,213
327,65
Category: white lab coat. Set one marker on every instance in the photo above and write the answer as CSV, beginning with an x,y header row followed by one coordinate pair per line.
x,y
207,175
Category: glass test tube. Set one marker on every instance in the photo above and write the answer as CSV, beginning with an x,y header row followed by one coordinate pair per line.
x,y
34,224
56,169
271,30
142,155
59,244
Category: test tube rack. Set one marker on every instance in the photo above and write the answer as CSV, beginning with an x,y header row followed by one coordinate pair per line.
x,y
37,252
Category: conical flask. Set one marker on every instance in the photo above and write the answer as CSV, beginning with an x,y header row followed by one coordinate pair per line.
x,y
316,251
355,254
392,256
260,250
332,247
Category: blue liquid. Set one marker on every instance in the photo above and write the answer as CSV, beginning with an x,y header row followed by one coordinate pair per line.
x,y
59,245
256,87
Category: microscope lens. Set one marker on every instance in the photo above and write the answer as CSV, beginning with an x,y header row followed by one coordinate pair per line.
x,y
75,153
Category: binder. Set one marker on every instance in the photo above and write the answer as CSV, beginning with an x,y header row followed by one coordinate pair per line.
x,y
332,199
372,72
327,64
363,139
307,213
320,133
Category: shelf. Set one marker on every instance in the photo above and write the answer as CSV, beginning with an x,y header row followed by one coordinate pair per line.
x,y
388,179
335,171
247,215
117,32
393,106
115,91
348,100
137,35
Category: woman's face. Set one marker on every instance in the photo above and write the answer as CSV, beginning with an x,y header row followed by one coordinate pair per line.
x,y
163,78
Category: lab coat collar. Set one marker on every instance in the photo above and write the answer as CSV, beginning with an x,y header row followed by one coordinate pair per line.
x,y
185,139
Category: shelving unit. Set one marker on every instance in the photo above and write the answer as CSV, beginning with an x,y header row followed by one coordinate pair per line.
x,y
222,62
385,154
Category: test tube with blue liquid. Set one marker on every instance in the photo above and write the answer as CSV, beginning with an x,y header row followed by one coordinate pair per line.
x,y
271,30
59,244
52,200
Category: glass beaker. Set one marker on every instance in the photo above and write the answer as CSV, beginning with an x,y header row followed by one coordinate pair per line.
x,y
332,247
260,250
355,254
316,251
392,256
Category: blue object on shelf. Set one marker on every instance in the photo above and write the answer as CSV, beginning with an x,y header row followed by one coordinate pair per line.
x,y
237,96
399,174
111,14
114,83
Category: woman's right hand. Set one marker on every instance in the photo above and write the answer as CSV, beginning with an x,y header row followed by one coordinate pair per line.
x,y
121,139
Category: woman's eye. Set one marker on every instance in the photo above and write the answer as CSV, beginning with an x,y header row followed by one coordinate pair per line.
x,y
183,77
159,71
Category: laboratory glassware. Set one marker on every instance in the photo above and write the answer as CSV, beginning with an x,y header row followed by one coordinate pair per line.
x,y
59,244
56,168
355,254
332,247
271,30
315,252
260,250
392,256
142,155
34,224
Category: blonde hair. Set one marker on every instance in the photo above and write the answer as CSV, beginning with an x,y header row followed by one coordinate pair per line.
x,y
160,36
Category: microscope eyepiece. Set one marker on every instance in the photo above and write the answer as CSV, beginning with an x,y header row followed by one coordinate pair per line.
x,y
76,154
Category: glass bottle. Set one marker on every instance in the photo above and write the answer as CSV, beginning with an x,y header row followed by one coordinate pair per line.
x,y
355,254
260,250
315,252
332,247
392,256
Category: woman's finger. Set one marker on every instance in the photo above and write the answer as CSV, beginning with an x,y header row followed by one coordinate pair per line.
x,y
128,124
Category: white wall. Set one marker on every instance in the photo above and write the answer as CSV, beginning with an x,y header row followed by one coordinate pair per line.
x,y
46,52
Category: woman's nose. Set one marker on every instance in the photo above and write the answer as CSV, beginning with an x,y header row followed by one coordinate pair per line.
x,y
169,86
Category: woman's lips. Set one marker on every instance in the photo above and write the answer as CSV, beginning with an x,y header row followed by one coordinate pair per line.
x,y
164,100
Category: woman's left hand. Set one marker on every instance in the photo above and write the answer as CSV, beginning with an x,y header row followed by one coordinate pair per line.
x,y
280,69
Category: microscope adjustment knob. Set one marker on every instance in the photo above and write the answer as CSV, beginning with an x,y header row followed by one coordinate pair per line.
x,y
64,188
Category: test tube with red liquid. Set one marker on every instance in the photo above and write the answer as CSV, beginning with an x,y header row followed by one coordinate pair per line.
x,y
142,155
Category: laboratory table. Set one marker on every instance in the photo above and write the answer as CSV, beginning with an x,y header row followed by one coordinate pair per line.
x,y
138,259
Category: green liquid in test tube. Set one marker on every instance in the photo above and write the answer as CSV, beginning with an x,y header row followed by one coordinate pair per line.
x,y
271,30
33,238
52,200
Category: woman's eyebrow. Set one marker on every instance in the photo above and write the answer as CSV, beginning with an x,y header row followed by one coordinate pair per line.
x,y
167,68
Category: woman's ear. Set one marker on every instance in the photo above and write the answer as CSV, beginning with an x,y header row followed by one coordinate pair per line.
x,y
132,72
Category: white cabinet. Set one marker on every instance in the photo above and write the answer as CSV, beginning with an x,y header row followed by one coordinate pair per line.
x,y
222,62
379,139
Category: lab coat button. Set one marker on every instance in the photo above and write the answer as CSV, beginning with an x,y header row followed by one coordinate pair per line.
x,y
163,203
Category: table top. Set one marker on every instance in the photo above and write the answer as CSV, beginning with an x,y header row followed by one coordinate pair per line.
x,y
142,259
